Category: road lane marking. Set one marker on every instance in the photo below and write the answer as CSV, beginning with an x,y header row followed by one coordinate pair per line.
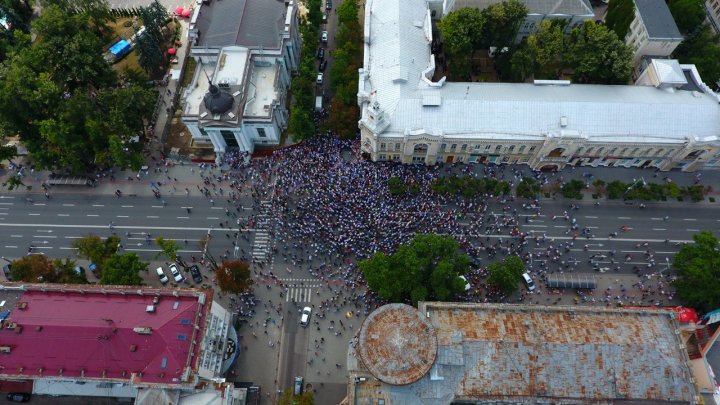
x,y
157,206
7,203
692,230
34,215
63,215
589,216
624,218
127,206
44,236
659,229
68,205
123,216
212,218
183,217
98,205
68,248
93,215
73,237
4,213
560,226
656,219
216,208
16,236
41,204
689,219
153,216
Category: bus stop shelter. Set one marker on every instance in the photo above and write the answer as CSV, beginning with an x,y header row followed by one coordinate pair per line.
x,y
581,281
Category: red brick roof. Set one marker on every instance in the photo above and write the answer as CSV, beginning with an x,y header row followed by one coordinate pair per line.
x,y
103,335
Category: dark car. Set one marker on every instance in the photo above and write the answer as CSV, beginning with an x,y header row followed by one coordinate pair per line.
x,y
18,397
195,273
328,5
321,53
323,65
6,270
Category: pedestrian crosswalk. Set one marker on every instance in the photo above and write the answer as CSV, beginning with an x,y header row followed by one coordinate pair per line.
x,y
262,245
301,294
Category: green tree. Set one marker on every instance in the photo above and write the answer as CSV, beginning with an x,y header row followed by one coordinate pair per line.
x,y
96,249
150,55
698,270
396,186
701,49
527,188
599,187
300,124
168,248
522,63
123,269
620,14
616,189
32,268
597,56
688,14
506,275
547,45
461,31
287,398
234,276
347,12
65,271
14,182
573,189
428,268
501,23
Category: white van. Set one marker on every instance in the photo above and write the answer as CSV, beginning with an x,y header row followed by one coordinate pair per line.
x,y
467,284
529,283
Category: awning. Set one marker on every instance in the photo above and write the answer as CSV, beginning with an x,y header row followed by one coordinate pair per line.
x,y
582,281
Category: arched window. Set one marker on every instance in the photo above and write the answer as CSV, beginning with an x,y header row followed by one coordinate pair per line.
x,y
511,148
589,151
658,152
623,151
497,148
579,150
635,151
600,151
522,148
648,152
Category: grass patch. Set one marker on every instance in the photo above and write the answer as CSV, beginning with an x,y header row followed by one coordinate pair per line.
x,y
189,72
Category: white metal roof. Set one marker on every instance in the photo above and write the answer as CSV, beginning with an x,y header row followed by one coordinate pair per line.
x,y
621,113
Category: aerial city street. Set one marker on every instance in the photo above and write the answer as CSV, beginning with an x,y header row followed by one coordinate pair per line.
x,y
359,202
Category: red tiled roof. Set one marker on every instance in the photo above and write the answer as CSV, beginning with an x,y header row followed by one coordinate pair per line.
x,y
93,332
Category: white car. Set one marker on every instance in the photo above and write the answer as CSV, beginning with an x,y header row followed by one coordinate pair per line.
x,y
324,36
305,317
176,273
319,79
161,274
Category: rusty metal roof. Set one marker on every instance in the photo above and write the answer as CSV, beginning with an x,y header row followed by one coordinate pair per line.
x,y
500,353
397,345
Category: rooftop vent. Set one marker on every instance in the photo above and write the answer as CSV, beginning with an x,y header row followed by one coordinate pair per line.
x,y
18,329
563,121
143,330
5,349
38,328
22,305
156,300
551,82
150,309
133,348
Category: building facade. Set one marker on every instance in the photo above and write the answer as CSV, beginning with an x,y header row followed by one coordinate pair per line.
x,y
653,31
712,9
573,12
246,52
409,118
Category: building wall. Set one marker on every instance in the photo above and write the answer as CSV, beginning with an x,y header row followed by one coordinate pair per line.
x,y
532,23
637,37
712,9
540,153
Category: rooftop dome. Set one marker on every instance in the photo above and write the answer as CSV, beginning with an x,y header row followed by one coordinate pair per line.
x,y
216,101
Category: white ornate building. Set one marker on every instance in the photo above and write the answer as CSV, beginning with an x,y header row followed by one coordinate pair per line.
x,y
670,119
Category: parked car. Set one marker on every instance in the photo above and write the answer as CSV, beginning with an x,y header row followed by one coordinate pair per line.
x,y
176,273
321,53
467,283
324,36
319,79
18,397
328,5
298,386
195,273
6,270
323,65
325,17
161,275
305,317
529,283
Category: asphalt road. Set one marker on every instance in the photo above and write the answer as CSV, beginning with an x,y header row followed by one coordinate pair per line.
x,y
52,225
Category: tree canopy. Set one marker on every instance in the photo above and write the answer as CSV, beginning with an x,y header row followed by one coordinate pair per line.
x,y
502,23
168,248
428,268
598,56
287,398
462,32
620,14
62,98
698,270
96,249
40,269
123,269
688,14
234,276
702,49
506,275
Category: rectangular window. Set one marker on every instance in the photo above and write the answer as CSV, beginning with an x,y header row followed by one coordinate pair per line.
x,y
382,156
511,148
522,148
382,146
497,148
453,147
443,146
487,147
463,147
477,147
635,151
459,159
532,149
261,132
397,146
396,157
